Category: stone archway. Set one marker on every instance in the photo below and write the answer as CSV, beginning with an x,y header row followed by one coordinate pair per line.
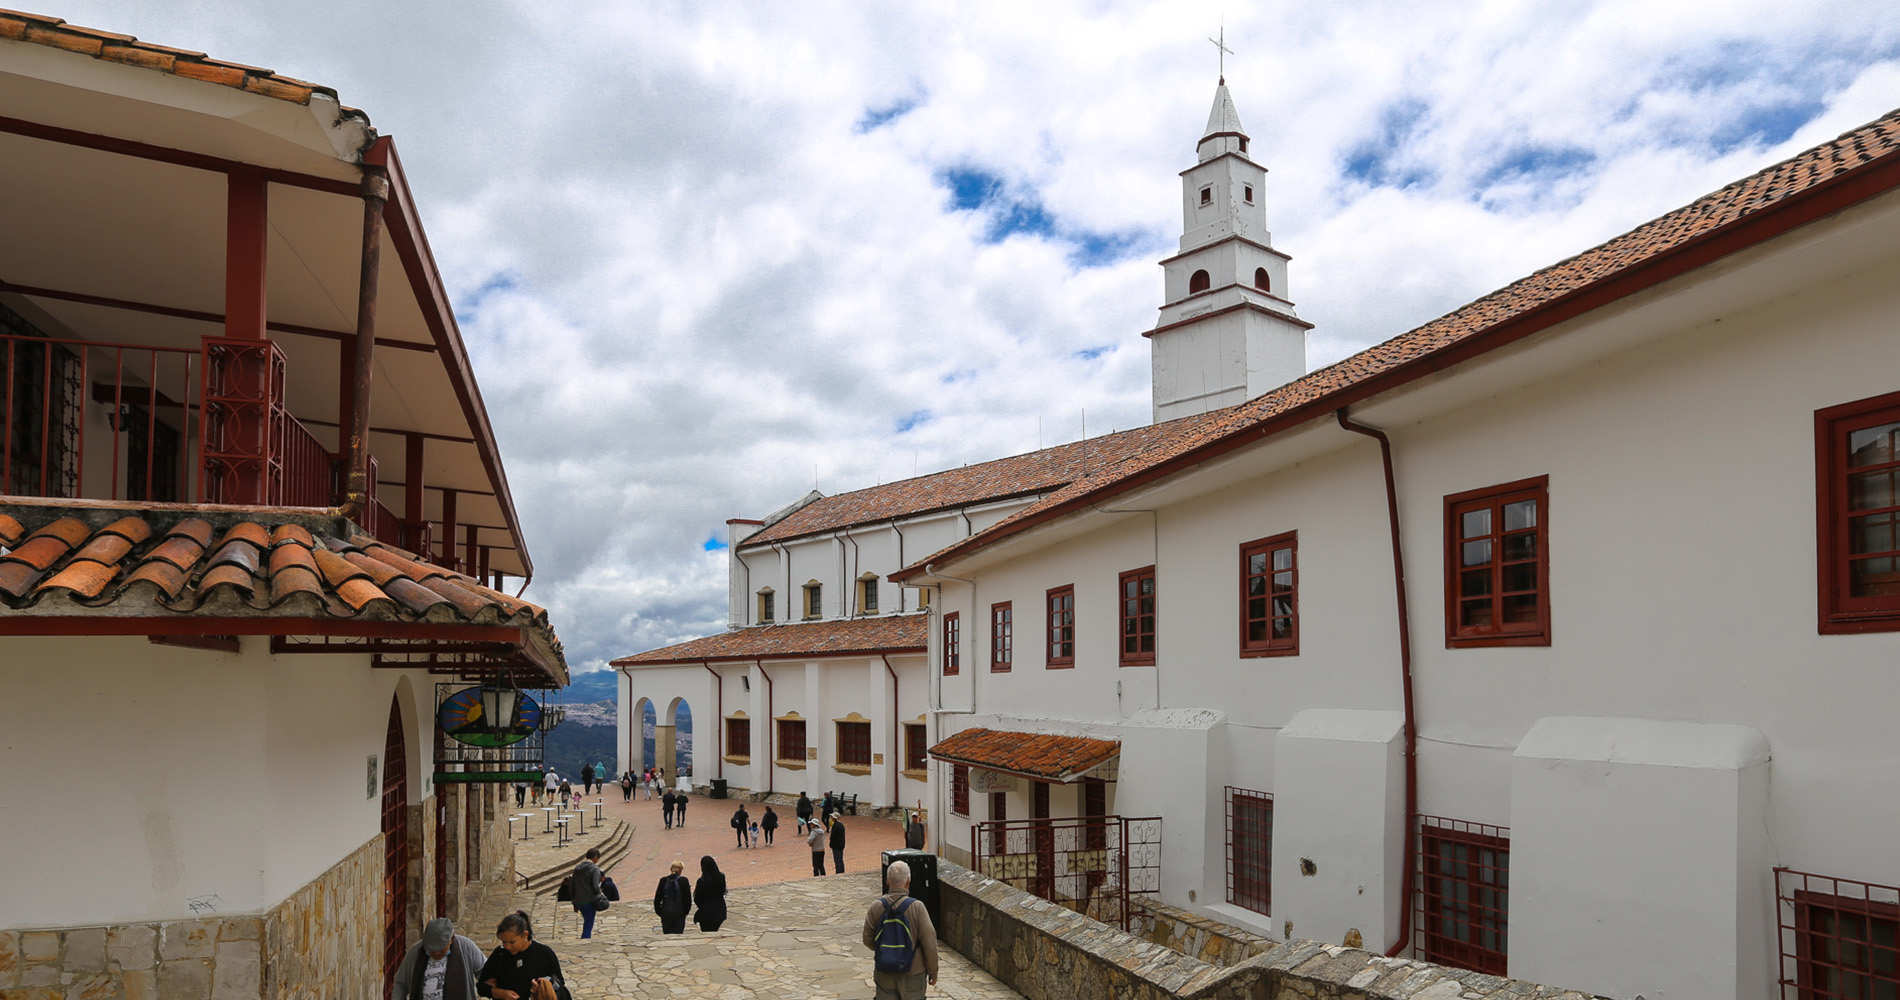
x,y
667,736
640,734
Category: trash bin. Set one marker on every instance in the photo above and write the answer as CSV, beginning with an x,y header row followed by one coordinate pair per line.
x,y
719,788
923,877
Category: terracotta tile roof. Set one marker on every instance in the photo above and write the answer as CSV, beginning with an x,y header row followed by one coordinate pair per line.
x,y
41,29
1016,476
1037,755
64,558
1857,165
837,637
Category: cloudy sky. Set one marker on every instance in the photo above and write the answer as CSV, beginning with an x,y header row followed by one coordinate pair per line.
x,y
710,255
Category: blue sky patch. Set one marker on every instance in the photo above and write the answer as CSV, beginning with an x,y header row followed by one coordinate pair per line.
x,y
1766,125
470,303
1538,164
714,543
876,118
1378,160
973,189
1091,353
960,375
914,420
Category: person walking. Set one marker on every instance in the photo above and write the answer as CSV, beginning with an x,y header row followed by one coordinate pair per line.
x,y
710,895
679,807
442,966
900,935
914,830
825,810
522,968
626,787
803,811
672,898
647,780
816,841
739,821
567,794
837,842
551,784
666,807
587,778
588,897
521,794
768,823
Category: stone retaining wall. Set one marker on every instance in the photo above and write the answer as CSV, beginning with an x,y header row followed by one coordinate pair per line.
x,y
1046,952
326,941
1193,934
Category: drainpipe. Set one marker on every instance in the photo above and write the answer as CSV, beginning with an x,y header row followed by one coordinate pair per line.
x,y
356,499
895,726
719,728
745,589
771,723
1405,681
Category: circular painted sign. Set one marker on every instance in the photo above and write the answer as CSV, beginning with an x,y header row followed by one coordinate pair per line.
x,y
461,718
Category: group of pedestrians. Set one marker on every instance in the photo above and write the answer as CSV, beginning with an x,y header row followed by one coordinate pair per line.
x,y
445,965
676,896
673,807
748,829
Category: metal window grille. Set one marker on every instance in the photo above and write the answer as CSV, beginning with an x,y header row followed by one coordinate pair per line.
x,y
916,747
952,651
1463,894
739,737
1250,849
1839,938
1002,638
791,739
854,743
960,789
1089,864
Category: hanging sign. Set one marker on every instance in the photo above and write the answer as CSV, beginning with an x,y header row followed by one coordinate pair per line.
x,y
461,719
991,781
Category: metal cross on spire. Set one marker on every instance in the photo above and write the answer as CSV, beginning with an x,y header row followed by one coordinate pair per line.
x,y
1221,44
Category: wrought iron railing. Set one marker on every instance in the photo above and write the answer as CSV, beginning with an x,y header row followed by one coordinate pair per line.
x,y
1089,864
141,451
310,471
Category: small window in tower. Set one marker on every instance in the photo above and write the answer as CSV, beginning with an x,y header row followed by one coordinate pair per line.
x,y
1243,143
1249,188
1261,281
1199,282
1207,195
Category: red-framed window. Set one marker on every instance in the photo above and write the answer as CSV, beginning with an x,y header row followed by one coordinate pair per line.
x,y
1002,638
960,789
1839,938
916,746
1463,894
1137,591
1060,647
1095,803
854,743
791,739
1857,462
738,737
1269,596
1250,849
999,812
952,644
1497,566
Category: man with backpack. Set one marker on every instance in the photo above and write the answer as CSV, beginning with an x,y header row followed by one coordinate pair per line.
x,y
899,933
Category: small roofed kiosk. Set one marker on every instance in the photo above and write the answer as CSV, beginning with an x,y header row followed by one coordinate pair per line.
x,y
254,534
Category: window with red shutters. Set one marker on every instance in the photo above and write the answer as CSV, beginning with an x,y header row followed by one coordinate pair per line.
x,y
952,648
854,743
738,737
1857,459
1002,638
1269,597
1060,647
960,789
1138,617
1497,567
791,740
916,746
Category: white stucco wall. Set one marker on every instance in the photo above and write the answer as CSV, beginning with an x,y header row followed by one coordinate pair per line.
x,y
143,779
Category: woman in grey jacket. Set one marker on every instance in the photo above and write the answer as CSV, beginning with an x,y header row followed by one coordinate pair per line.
x,y
587,895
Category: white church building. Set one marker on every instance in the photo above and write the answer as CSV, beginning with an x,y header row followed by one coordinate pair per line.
x,y
1554,638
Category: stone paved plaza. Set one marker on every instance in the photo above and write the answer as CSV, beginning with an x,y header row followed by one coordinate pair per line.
x,y
797,939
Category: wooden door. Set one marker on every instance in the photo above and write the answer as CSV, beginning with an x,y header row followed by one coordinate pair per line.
x,y
395,845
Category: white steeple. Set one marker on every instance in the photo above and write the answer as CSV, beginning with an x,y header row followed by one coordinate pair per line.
x,y
1227,331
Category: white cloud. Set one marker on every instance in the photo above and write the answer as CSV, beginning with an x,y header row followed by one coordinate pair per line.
x,y
703,290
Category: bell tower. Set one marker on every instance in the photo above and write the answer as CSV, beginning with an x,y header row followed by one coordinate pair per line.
x,y
1227,331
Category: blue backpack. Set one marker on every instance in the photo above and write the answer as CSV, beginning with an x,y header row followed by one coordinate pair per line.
x,y
896,946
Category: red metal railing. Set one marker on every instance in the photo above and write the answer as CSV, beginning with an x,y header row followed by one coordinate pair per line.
x,y
1464,894
1089,864
1839,938
48,447
1250,849
310,471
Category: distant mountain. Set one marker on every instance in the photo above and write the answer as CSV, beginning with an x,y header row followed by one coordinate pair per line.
x,y
581,689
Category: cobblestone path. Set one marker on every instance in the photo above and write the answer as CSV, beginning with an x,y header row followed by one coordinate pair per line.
x,y
797,939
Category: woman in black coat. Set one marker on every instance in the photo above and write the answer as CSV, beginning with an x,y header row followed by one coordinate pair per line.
x,y
768,823
672,899
803,810
522,968
710,895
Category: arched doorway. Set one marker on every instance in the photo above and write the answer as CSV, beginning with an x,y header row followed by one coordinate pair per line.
x,y
642,752
395,844
673,739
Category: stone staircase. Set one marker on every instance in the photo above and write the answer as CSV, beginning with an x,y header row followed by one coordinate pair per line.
x,y
617,845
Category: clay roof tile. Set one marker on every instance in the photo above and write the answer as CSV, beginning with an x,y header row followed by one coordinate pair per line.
x,y
195,528
467,602
236,552
40,552
84,577
17,578
11,531
132,529
70,530
181,551
292,533
106,548
413,595
160,573
359,593
251,532
336,569
292,580
229,574
379,571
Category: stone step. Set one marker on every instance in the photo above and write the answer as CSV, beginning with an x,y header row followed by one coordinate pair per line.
x,y
617,845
